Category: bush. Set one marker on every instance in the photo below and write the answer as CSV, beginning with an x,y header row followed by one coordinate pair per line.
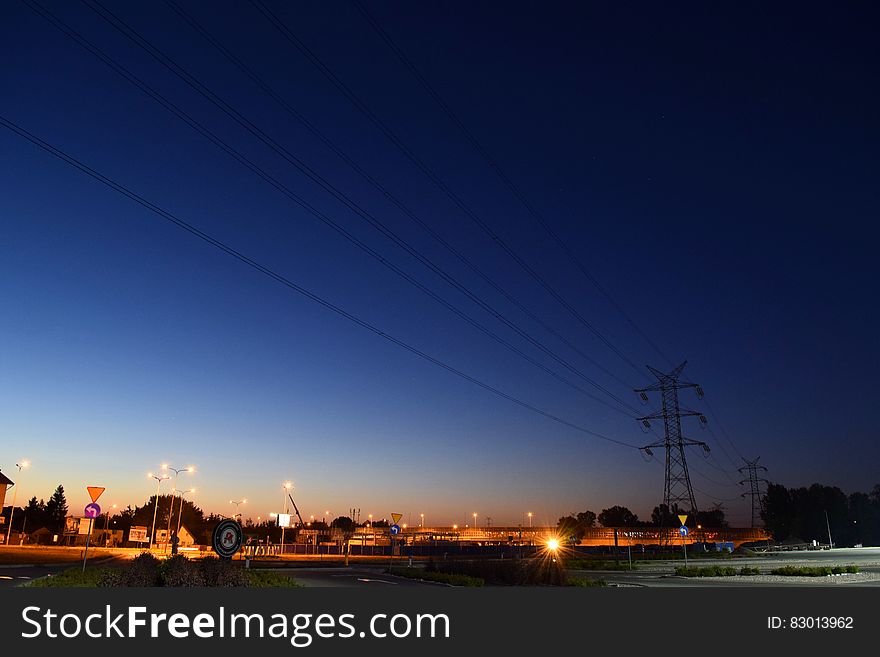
x,y
749,570
142,571
217,572
180,571
813,571
705,571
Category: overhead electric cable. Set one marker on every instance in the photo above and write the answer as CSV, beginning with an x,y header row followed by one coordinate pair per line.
x,y
250,262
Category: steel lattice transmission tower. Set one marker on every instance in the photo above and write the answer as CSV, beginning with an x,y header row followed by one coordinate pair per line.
x,y
754,482
678,491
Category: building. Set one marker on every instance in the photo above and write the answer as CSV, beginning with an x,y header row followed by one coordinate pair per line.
x,y
5,483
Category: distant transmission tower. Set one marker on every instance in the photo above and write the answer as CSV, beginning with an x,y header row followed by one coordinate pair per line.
x,y
754,482
678,491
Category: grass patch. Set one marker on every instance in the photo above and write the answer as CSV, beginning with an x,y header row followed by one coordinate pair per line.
x,y
594,564
813,571
263,579
749,570
452,579
585,582
705,571
73,578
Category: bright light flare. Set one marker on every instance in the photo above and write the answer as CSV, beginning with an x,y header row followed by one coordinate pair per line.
x,y
553,544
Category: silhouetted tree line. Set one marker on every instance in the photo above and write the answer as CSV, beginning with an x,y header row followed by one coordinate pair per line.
x,y
799,515
575,526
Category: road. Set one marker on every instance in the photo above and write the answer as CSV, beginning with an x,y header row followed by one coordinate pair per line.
x,y
22,574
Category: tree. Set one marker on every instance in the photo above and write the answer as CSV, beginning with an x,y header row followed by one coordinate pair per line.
x,y
618,516
574,527
56,511
344,523
34,514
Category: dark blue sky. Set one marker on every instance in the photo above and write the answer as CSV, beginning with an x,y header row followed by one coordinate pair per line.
x,y
714,167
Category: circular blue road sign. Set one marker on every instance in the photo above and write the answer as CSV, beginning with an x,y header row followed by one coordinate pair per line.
x,y
683,530
395,529
92,510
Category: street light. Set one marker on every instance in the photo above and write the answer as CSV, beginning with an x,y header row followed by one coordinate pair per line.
x,y
159,479
20,466
286,486
180,512
422,524
236,503
107,522
176,472
530,519
475,519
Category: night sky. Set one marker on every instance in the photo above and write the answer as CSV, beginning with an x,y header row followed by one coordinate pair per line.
x,y
714,167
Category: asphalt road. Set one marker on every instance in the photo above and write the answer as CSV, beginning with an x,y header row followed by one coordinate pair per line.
x,y
18,575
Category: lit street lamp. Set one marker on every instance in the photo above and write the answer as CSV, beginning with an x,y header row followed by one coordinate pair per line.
x,y
107,522
475,519
20,466
530,519
176,472
236,503
422,524
159,479
180,512
286,486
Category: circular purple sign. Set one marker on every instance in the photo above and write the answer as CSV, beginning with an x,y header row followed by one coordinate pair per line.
x,y
92,510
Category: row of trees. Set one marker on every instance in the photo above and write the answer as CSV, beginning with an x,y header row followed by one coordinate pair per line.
x,y
575,526
808,514
41,513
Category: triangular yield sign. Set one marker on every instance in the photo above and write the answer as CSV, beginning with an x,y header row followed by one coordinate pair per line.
x,y
682,518
395,517
95,492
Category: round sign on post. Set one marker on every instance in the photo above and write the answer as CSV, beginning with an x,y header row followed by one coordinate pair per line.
x,y
395,530
226,538
92,510
683,530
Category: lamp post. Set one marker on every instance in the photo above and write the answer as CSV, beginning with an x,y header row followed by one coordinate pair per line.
x,y
530,519
20,466
180,512
176,472
286,486
237,503
474,514
422,523
107,522
159,479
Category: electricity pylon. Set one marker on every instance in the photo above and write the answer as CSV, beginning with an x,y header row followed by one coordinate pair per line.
x,y
754,482
677,491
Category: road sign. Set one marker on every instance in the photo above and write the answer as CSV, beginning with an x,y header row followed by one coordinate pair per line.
x,y
395,529
284,520
226,538
395,518
92,510
683,530
682,518
95,492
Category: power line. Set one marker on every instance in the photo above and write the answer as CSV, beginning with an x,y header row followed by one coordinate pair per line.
x,y
300,201
518,193
230,111
493,164
438,182
408,212
222,246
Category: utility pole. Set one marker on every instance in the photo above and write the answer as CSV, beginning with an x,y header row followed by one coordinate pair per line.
x,y
754,482
677,490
